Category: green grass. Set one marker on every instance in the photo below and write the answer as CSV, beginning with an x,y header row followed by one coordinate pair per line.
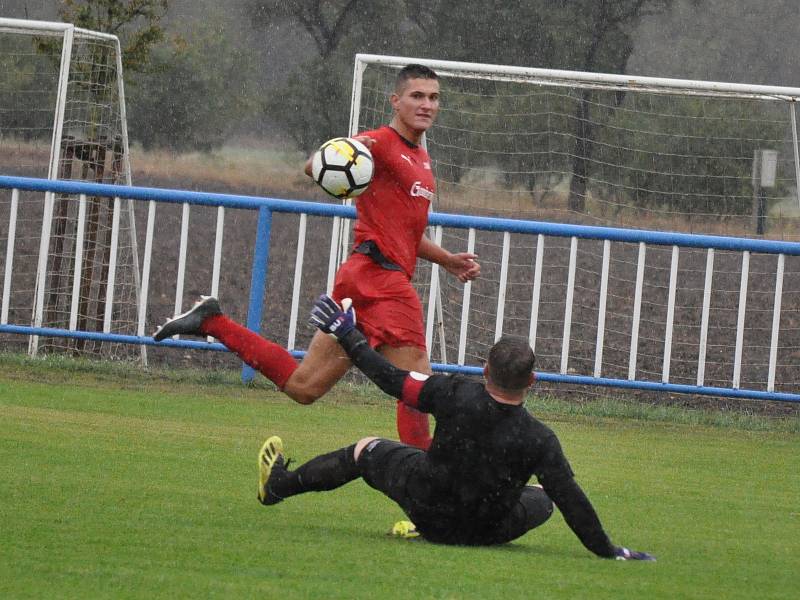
x,y
121,484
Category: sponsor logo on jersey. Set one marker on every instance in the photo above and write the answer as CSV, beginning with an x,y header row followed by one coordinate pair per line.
x,y
418,190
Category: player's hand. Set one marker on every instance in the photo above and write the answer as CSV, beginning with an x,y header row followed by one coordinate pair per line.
x,y
463,266
366,140
337,321
626,554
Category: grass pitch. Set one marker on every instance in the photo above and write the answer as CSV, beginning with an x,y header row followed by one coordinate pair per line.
x,y
119,484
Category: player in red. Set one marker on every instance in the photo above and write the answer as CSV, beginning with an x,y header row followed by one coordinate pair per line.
x,y
389,236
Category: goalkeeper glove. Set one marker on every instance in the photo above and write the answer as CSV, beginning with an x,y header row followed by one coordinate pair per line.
x,y
625,554
337,321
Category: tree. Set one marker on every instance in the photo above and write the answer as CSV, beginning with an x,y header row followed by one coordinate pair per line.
x,y
314,102
195,93
136,22
601,33
591,35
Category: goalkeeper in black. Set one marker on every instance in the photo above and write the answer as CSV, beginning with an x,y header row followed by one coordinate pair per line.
x,y
471,486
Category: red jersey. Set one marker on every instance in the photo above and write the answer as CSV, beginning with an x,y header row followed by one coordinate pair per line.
x,y
393,211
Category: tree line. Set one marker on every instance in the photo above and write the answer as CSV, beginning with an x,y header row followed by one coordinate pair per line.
x,y
189,92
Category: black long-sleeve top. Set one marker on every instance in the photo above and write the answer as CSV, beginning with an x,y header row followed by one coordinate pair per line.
x,y
483,451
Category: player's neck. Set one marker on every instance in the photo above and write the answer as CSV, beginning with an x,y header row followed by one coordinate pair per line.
x,y
504,396
410,135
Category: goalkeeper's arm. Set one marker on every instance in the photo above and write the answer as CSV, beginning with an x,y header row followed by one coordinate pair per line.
x,y
339,322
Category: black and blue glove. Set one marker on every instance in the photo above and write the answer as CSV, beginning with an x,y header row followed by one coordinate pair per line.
x,y
626,554
337,321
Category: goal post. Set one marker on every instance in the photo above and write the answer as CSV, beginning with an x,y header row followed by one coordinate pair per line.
x,y
608,150
63,107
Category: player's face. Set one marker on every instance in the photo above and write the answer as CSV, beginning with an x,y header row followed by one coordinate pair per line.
x,y
416,105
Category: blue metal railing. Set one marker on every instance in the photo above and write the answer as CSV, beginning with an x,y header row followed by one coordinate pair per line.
x,y
266,206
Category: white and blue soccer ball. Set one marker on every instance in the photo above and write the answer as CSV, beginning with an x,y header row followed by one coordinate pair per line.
x,y
343,167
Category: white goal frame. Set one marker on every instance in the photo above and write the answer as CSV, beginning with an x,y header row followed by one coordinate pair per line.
x,y
68,33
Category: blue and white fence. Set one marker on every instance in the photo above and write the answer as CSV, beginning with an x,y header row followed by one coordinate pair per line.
x,y
785,316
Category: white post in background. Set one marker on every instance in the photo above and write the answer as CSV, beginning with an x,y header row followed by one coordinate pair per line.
x,y
601,310
182,259
573,257
146,261
673,284
701,360
501,294
215,273
12,234
637,313
433,296
537,290
112,267
462,337
76,275
737,358
776,321
298,277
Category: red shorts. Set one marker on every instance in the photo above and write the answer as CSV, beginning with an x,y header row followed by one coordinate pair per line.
x,y
388,310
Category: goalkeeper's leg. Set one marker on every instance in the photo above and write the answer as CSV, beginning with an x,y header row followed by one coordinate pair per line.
x,y
320,474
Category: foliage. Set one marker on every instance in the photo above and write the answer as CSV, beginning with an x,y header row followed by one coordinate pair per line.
x,y
23,74
136,22
313,104
687,155
194,94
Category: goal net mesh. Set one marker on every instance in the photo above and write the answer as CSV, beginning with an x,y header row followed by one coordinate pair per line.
x,y
91,148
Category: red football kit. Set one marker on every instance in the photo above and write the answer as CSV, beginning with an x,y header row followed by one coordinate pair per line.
x,y
391,218
391,214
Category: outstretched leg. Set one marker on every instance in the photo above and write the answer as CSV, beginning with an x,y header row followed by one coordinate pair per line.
x,y
322,473
325,362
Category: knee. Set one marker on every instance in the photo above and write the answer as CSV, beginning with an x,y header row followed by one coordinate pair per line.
x,y
304,398
538,506
303,390
361,444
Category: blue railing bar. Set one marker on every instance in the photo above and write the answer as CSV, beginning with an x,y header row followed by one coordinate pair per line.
x,y
109,337
258,280
177,196
655,386
662,238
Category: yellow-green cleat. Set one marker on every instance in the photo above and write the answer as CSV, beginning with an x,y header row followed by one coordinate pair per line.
x,y
270,458
404,529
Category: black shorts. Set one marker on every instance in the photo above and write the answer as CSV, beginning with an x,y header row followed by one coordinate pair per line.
x,y
386,465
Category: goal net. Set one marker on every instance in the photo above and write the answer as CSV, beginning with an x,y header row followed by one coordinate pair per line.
x,y
618,151
74,259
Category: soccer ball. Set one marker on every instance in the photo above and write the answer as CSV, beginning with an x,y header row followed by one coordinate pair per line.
x,y
342,167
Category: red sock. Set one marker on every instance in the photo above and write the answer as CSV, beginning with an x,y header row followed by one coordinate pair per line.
x,y
413,427
274,362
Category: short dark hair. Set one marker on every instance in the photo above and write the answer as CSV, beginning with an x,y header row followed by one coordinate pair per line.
x,y
413,71
511,361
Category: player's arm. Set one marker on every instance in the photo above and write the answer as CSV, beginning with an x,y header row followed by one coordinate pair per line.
x,y
460,264
339,322
559,483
